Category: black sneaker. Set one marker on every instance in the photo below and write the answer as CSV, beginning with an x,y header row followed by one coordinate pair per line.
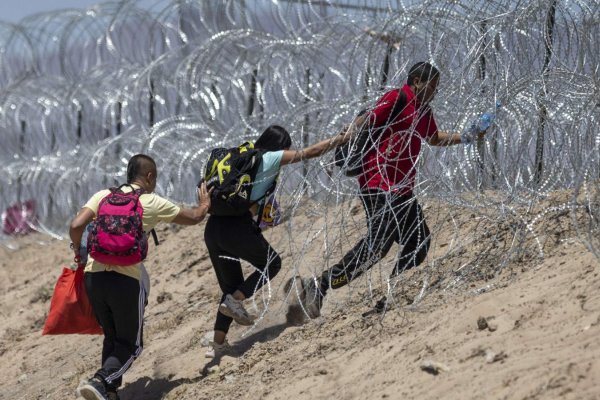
x,y
92,389
312,299
295,314
113,395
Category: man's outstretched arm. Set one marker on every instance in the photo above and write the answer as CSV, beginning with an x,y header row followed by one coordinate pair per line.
x,y
193,216
447,139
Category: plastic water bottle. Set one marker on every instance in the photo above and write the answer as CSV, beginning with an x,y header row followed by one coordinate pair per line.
x,y
480,125
485,121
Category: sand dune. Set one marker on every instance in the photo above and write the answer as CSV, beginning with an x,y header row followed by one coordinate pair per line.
x,y
527,331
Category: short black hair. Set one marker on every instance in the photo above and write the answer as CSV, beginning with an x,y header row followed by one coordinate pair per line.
x,y
138,166
274,138
423,71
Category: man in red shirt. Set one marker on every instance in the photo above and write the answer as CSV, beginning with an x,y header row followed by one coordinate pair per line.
x,y
403,119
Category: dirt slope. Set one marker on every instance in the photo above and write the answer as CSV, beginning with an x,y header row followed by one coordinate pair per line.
x,y
541,339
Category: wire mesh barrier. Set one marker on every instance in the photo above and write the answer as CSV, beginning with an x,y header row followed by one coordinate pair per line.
x,y
83,90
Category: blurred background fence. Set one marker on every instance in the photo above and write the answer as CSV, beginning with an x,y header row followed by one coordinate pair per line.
x,y
83,90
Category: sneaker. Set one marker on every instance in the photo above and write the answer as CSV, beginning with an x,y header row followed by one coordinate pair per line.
x,y
312,298
113,395
92,389
207,338
295,314
216,349
235,309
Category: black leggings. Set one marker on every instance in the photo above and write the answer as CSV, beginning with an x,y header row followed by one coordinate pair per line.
x,y
391,218
230,239
118,302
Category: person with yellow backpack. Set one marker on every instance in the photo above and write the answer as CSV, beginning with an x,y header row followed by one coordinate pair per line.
x,y
241,179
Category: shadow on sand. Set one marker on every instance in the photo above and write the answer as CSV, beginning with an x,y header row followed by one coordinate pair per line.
x,y
246,344
155,389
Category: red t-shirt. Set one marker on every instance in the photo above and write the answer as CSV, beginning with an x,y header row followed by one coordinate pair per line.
x,y
392,167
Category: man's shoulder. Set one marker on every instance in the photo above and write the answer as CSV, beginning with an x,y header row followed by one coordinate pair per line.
x,y
151,197
100,194
153,202
392,93
94,202
387,99
392,96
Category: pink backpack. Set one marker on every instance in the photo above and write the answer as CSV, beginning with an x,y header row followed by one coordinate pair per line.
x,y
117,236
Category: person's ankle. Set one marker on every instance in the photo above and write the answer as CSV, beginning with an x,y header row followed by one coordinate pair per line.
x,y
238,295
219,337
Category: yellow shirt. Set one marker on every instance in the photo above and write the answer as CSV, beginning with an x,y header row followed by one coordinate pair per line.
x,y
156,209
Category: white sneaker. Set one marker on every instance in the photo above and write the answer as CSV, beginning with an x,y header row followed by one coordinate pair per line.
x,y
215,349
207,338
235,309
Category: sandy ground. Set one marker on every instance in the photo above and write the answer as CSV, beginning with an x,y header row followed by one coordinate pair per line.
x,y
528,331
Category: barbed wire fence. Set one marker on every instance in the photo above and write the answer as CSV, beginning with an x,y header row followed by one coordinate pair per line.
x,y
83,90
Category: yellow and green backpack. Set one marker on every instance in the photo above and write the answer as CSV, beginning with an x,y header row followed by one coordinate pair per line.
x,y
230,172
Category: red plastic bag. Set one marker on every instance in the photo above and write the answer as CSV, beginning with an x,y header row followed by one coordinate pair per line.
x,y
70,308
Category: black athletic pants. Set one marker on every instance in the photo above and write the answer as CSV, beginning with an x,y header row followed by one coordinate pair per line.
x,y
118,302
230,239
391,218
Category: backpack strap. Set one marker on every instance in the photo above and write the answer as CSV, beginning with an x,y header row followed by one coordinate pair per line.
x,y
138,192
395,113
398,107
154,237
120,188
269,191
